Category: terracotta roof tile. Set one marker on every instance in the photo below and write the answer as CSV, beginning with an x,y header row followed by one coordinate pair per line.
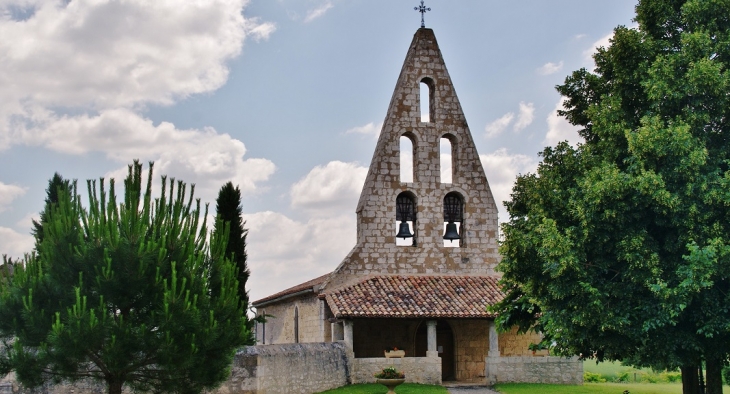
x,y
417,296
292,290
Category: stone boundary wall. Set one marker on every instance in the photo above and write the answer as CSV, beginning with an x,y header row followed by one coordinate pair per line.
x,y
292,368
525,369
426,370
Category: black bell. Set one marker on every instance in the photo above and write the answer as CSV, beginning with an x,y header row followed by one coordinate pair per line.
x,y
404,231
451,234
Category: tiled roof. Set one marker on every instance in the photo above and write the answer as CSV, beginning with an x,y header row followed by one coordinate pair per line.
x,y
293,290
417,296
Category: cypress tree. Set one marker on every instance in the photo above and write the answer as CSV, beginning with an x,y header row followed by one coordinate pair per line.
x,y
228,209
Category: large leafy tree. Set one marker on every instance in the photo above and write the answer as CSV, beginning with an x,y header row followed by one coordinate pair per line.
x,y
619,248
120,292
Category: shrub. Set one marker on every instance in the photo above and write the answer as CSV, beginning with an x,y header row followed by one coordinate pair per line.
x,y
623,377
649,378
390,373
671,377
593,377
726,374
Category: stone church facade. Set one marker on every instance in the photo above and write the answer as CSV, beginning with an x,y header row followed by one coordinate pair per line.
x,y
422,294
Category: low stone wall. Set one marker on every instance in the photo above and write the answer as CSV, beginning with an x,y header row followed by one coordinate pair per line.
x,y
293,368
525,369
8,385
426,370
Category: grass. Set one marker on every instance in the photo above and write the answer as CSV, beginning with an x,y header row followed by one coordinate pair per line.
x,y
407,388
594,388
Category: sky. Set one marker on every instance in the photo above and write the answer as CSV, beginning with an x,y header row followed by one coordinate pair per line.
x,y
284,98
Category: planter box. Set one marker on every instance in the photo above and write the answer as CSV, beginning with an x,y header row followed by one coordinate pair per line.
x,y
395,353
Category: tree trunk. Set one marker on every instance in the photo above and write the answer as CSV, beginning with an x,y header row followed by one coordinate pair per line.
x,y
714,376
114,386
690,380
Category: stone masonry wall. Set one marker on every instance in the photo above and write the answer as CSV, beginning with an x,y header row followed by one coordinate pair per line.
x,y
376,251
555,370
289,369
426,370
280,326
514,344
472,346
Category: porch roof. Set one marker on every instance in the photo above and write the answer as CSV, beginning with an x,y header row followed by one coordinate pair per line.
x,y
416,297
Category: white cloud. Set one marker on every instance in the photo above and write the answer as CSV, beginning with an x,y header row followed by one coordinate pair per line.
x,y
498,126
329,189
14,244
109,53
559,129
525,116
8,193
318,12
283,252
204,157
550,68
502,169
370,129
102,55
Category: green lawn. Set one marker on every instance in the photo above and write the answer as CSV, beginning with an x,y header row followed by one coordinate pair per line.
x,y
594,388
408,388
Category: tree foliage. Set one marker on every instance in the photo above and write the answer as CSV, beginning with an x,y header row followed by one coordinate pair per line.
x,y
120,292
228,209
618,248
56,186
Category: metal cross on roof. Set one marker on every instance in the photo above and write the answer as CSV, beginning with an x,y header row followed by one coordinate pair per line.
x,y
422,9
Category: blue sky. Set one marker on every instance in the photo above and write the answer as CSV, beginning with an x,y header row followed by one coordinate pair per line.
x,y
282,97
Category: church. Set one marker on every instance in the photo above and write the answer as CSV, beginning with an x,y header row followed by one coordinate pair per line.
x,y
422,273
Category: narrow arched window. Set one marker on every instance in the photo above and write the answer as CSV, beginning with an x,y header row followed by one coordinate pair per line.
x,y
405,219
453,220
446,160
406,159
296,324
426,100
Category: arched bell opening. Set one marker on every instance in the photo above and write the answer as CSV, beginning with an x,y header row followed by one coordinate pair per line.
x,y
453,219
425,98
407,149
405,219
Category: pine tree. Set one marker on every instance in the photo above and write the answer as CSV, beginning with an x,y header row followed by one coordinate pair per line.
x,y
228,209
56,186
121,293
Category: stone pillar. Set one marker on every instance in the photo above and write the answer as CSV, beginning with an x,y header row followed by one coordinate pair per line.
x,y
431,350
492,360
338,333
348,325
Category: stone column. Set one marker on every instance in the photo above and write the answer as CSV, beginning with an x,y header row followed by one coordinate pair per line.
x,y
347,328
431,350
492,361
493,340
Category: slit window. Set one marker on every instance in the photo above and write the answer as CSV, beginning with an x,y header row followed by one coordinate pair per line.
x,y
405,220
406,159
296,324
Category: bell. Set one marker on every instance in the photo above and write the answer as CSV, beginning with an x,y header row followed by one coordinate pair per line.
x,y
404,231
451,234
